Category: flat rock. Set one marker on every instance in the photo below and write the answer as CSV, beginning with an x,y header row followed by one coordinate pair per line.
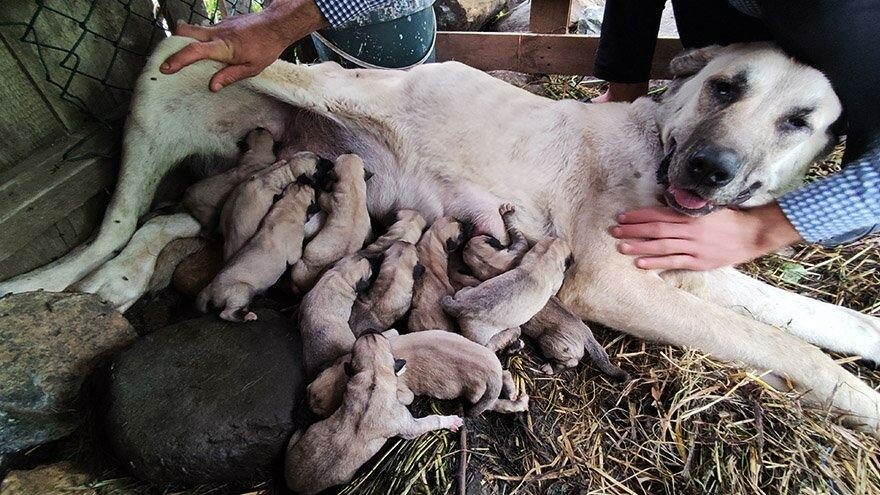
x,y
49,344
466,15
62,477
206,400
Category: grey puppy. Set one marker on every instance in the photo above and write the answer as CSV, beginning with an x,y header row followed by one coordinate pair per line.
x,y
204,199
443,236
331,451
442,365
263,260
345,229
248,203
491,313
390,295
487,257
563,338
407,227
325,310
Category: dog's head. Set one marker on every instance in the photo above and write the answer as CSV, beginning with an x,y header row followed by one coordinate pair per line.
x,y
372,353
740,126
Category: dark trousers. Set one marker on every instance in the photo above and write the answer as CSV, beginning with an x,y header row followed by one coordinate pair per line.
x,y
838,37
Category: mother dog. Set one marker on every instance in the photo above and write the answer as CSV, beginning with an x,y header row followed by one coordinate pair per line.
x,y
445,139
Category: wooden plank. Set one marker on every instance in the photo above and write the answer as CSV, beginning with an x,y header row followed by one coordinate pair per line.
x,y
550,16
44,189
26,120
58,239
567,54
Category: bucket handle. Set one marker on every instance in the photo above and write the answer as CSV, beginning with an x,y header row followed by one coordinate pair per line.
x,y
366,65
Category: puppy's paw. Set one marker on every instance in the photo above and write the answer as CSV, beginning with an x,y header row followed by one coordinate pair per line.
x,y
515,347
506,209
250,316
547,369
453,423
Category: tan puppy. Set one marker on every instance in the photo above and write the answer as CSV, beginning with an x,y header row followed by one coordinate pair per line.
x,y
204,199
331,451
491,313
487,257
325,310
345,229
407,227
563,337
248,203
390,296
445,235
262,261
442,365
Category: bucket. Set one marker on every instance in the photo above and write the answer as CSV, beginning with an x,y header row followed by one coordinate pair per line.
x,y
374,41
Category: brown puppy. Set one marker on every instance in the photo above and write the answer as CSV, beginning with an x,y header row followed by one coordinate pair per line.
x,y
325,310
345,229
263,260
407,227
445,235
248,203
442,365
331,451
487,257
204,199
563,337
171,256
491,313
390,296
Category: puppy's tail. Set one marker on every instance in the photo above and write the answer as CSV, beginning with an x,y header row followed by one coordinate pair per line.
x,y
603,362
489,397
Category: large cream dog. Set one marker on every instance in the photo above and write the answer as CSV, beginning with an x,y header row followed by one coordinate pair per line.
x,y
445,139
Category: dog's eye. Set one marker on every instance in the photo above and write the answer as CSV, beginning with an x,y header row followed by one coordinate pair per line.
x,y
725,91
796,123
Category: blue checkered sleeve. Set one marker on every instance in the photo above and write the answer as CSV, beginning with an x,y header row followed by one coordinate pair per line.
x,y
843,204
339,11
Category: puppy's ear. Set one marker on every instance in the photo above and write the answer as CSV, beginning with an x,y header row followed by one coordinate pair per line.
x,y
349,369
569,261
361,286
399,366
690,62
467,231
368,175
495,243
324,165
305,180
418,271
389,219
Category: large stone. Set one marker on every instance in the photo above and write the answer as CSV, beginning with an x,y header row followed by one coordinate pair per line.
x,y
49,343
62,477
206,400
516,20
466,15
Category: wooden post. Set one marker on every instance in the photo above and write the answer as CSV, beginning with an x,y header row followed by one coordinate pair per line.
x,y
549,16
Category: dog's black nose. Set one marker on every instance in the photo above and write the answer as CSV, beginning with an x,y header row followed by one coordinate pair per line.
x,y
713,167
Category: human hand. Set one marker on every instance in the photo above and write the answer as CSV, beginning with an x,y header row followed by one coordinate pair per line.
x,y
248,43
664,239
626,92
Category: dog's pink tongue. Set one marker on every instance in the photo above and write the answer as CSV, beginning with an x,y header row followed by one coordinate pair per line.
x,y
686,199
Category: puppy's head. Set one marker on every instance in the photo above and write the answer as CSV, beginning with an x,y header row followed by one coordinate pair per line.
x,y
563,348
301,162
349,169
372,353
450,232
325,392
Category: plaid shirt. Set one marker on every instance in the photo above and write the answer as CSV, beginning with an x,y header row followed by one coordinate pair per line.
x,y
338,12
841,207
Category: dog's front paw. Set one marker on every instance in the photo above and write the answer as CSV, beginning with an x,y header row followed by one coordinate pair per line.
x,y
453,423
506,209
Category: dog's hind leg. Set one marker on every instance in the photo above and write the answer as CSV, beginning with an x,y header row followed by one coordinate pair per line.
x,y
826,325
648,307
125,278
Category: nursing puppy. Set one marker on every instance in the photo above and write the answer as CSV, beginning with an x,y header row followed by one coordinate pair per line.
x,y
345,229
487,257
442,365
491,313
407,227
390,296
263,260
248,203
331,451
325,310
563,338
445,235
204,199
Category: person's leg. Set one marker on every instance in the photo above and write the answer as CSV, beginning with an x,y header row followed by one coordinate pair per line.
x,y
715,22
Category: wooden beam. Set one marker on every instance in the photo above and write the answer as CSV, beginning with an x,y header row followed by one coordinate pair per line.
x,y
567,54
45,188
549,16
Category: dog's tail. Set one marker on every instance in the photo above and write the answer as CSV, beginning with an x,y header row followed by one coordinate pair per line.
x,y
450,306
603,362
489,397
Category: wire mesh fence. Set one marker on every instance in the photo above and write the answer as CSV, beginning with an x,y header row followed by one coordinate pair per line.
x,y
78,44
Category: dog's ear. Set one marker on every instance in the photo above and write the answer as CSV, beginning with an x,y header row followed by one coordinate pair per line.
x,y
690,62
494,243
305,180
368,175
349,369
569,261
399,366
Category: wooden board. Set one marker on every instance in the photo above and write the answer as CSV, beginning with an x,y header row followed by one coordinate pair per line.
x,y
549,16
567,54
44,189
